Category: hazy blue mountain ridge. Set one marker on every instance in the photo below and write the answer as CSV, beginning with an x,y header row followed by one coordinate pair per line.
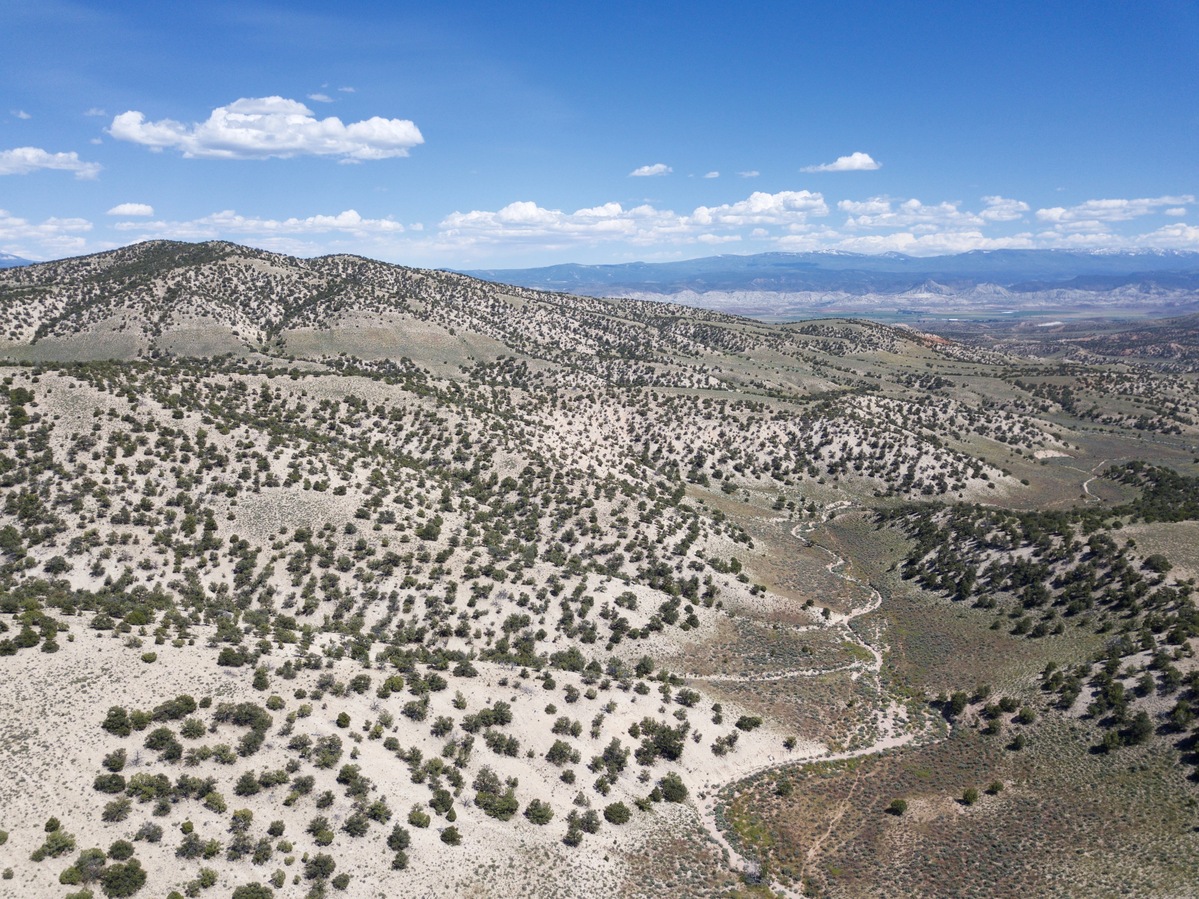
x,y
1015,270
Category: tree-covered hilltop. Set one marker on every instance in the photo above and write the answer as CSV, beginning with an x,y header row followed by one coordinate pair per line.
x,y
1044,572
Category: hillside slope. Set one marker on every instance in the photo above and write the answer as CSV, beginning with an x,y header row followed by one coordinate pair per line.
x,y
386,580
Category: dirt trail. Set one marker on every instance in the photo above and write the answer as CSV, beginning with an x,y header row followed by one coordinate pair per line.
x,y
891,733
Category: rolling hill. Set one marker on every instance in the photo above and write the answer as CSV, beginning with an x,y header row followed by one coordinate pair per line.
x,y
333,574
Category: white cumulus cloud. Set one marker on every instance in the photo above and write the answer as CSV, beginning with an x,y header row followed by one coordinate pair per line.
x,y
873,206
787,207
22,114
1175,236
1001,209
882,212
752,173
23,160
933,244
526,223
712,175
229,222
258,128
54,237
648,171
320,98
1118,210
854,162
131,209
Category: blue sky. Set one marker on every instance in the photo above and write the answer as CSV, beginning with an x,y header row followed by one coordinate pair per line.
x,y
472,134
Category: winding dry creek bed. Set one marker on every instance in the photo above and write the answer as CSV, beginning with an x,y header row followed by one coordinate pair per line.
x,y
892,731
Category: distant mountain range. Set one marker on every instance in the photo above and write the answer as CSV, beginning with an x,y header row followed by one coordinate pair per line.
x,y
782,285
7,261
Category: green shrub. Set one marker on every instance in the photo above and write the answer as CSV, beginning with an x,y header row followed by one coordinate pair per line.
x,y
150,832
672,787
253,891
589,821
123,880
117,810
117,722
617,813
398,839
115,760
539,812
357,824
247,784
88,866
57,843
319,867
241,820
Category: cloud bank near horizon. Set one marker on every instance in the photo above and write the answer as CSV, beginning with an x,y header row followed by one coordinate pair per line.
x,y
795,221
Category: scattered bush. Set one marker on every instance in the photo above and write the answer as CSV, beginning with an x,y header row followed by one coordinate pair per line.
x,y
539,812
120,850
117,810
115,760
117,722
57,843
319,867
123,880
617,813
672,787
149,832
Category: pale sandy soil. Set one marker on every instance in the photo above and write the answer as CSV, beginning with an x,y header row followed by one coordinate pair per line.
x,y
53,743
